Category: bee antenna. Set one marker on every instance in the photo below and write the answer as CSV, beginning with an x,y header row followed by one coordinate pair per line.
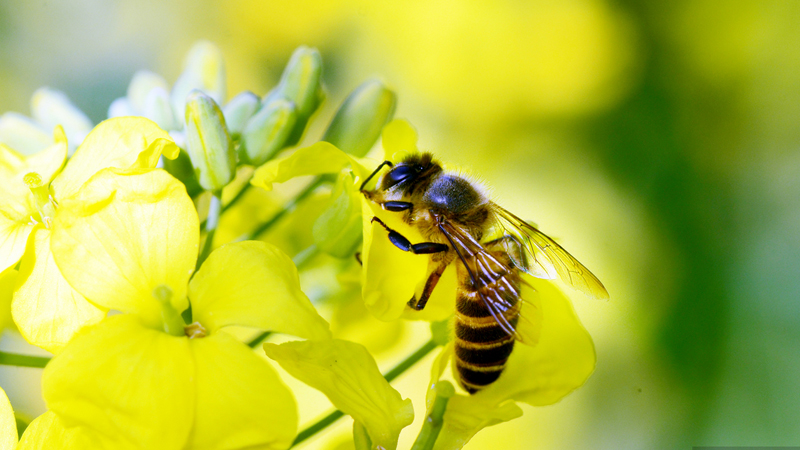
x,y
374,172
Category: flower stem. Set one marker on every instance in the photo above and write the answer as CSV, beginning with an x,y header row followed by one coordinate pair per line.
x,y
214,209
390,375
288,208
433,423
14,359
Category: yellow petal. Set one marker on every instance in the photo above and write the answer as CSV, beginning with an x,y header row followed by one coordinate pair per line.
x,y
559,363
241,401
14,232
46,309
125,235
348,375
389,275
465,416
253,284
128,383
23,134
7,280
398,138
322,157
8,425
49,161
121,142
48,432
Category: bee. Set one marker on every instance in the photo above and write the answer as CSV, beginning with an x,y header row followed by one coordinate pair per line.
x,y
454,216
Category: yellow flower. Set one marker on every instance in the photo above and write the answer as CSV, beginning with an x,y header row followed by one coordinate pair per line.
x,y
146,379
34,192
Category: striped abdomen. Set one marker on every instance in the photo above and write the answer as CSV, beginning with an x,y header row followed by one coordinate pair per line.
x,y
482,346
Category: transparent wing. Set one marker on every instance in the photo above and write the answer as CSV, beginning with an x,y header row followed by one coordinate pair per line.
x,y
495,280
537,254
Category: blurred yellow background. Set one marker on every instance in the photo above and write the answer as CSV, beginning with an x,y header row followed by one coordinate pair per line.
x,y
658,141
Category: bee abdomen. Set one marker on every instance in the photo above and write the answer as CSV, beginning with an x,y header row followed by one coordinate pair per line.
x,y
479,367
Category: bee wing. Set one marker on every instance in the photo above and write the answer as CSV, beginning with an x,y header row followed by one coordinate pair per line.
x,y
542,257
487,272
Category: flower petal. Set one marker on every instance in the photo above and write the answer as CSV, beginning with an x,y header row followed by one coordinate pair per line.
x,y
241,401
124,235
559,363
49,161
389,274
464,417
253,284
7,280
48,432
322,157
398,138
348,375
8,425
125,382
121,142
46,309
23,134
14,233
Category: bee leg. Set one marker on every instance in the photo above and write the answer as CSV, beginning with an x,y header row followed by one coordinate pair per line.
x,y
430,283
401,242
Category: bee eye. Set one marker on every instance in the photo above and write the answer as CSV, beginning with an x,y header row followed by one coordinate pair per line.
x,y
419,168
401,173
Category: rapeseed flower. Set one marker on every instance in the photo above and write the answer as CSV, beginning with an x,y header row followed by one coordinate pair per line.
x,y
146,379
35,192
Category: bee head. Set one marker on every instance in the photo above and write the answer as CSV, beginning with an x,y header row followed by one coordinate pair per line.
x,y
414,167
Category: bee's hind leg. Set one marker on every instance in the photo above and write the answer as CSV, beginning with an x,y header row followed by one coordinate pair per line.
x,y
435,269
401,242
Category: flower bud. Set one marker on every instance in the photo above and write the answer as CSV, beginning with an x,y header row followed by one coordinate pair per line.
x,y
239,110
120,107
337,232
204,70
22,134
267,132
208,142
50,107
359,121
142,83
158,109
301,83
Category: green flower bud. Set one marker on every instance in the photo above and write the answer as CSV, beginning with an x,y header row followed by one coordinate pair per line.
x,y
239,110
301,83
359,121
23,135
208,142
267,132
204,70
142,83
50,107
337,232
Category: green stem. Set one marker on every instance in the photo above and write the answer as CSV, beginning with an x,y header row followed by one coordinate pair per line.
x,y
214,209
258,339
237,197
433,423
390,375
288,208
14,359
305,256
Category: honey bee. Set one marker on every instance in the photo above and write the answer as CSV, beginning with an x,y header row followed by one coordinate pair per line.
x,y
454,215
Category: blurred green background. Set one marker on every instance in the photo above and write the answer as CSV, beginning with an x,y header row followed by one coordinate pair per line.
x,y
658,141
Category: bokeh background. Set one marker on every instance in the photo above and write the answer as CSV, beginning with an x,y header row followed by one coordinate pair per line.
x,y
658,141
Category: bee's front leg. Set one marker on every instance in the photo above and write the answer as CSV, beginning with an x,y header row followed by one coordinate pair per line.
x,y
401,242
